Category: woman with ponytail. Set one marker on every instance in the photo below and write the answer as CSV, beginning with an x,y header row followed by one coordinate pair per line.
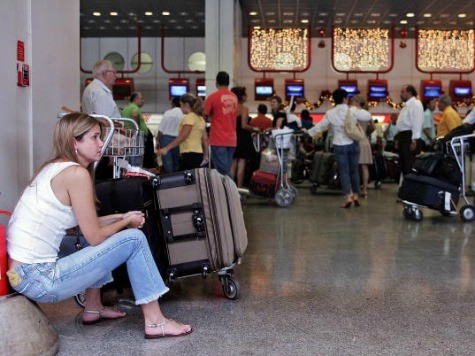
x,y
192,136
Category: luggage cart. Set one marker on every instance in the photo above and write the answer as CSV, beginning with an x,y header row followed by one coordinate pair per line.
x,y
456,147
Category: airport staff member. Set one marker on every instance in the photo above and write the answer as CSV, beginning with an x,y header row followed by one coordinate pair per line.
x,y
409,127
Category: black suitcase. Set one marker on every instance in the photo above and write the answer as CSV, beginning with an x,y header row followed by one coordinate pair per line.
x,y
123,195
378,171
429,191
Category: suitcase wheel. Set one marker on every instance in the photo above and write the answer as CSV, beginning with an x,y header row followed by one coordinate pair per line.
x,y
283,198
80,300
377,184
411,212
231,287
467,213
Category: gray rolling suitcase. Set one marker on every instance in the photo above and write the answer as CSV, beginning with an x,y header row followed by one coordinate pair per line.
x,y
202,225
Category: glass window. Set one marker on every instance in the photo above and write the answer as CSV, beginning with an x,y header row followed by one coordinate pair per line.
x,y
146,62
116,59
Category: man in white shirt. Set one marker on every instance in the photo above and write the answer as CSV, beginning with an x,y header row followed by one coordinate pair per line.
x,y
97,99
167,132
409,125
97,96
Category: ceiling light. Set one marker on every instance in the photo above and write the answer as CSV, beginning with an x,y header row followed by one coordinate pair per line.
x,y
86,28
107,21
386,22
183,13
452,22
178,27
165,13
288,21
323,13
255,20
148,27
156,21
96,13
371,21
270,13
403,22
102,27
321,21
131,13
114,13
410,14
288,14
392,15
338,21
340,14
304,21
444,15
354,21
462,15
375,14
271,21
257,27
358,14
420,22
148,13
436,22
124,20
305,14
252,13
427,15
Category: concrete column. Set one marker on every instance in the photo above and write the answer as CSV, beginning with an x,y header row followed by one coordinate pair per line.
x,y
222,40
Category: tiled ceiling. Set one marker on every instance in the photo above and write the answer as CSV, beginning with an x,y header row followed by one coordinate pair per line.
x,y
186,18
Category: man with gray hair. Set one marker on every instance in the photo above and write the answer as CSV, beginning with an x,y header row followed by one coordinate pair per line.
x,y
450,118
97,96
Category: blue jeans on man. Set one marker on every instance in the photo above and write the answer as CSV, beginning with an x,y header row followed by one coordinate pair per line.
x,y
347,157
221,158
170,161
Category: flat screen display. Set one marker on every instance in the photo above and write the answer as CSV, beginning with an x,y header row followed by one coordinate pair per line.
x,y
377,91
432,91
295,90
350,89
462,92
178,90
264,90
201,90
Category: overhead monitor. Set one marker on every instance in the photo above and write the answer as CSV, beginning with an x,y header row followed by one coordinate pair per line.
x,y
430,89
377,90
295,88
350,86
460,89
263,88
178,87
201,88
123,88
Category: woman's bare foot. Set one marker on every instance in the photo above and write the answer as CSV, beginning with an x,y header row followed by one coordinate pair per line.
x,y
167,328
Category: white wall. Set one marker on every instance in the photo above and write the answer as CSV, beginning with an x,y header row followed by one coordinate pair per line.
x,y
51,39
320,76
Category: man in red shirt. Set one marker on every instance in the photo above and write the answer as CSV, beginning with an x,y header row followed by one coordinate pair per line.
x,y
221,108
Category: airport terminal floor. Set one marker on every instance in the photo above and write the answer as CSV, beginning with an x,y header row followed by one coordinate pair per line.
x,y
315,280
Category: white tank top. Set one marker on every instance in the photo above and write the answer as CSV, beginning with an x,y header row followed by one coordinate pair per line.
x,y
39,221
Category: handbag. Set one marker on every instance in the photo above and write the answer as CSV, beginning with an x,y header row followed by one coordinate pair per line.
x,y
352,128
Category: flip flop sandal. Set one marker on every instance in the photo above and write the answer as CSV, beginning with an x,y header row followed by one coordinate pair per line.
x,y
100,318
163,335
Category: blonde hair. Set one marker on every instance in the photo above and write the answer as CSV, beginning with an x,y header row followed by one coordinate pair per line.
x,y
195,102
70,127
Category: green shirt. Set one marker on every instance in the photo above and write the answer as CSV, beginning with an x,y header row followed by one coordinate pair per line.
x,y
128,111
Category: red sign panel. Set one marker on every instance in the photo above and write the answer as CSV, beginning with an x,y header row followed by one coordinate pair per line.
x,y
20,51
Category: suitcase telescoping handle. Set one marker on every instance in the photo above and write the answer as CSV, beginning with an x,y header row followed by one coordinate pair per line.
x,y
174,180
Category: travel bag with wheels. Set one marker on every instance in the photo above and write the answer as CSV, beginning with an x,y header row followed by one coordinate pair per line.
x,y
430,192
202,225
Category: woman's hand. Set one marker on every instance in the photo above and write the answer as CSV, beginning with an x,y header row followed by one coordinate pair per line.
x,y
136,219
162,151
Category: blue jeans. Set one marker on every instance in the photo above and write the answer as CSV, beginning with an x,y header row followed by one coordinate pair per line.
x,y
91,267
347,157
170,161
221,158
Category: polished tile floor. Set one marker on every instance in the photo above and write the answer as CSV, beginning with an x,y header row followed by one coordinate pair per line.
x,y
316,280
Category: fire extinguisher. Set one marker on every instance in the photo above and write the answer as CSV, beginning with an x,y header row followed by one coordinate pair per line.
x,y
3,257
